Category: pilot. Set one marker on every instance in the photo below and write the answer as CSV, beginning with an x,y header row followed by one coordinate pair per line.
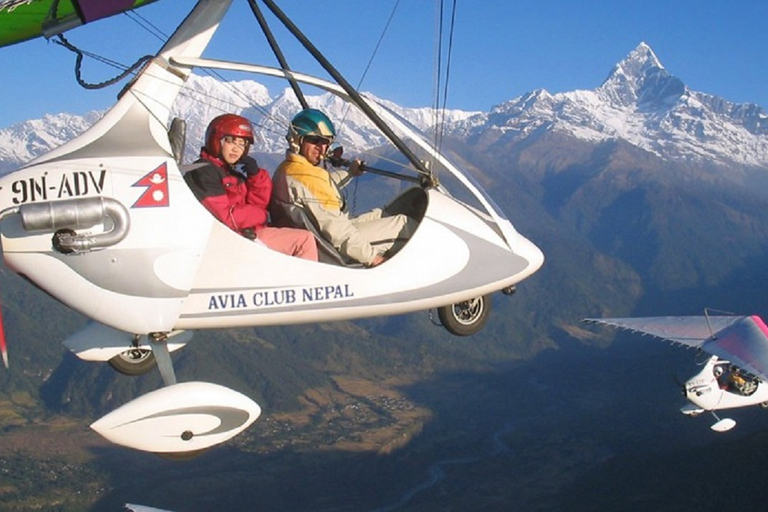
x,y
737,380
719,373
302,180
237,192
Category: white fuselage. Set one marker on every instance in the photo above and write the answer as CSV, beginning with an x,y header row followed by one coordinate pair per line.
x,y
148,257
180,268
715,388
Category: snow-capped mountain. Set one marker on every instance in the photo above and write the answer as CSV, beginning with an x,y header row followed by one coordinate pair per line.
x,y
354,129
205,97
24,141
641,103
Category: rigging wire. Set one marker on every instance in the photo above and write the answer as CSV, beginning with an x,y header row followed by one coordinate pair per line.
x,y
449,56
277,51
438,55
343,119
133,69
378,44
268,122
147,25
440,93
351,91
267,116
373,56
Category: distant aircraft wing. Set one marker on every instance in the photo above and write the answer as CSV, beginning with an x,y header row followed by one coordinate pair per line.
x,y
21,20
142,508
742,340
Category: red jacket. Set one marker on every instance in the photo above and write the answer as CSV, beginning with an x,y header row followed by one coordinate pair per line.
x,y
237,199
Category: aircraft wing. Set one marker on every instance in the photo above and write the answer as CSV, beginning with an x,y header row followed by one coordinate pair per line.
x,y
742,340
21,20
142,508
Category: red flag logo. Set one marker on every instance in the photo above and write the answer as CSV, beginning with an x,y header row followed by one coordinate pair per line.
x,y
156,182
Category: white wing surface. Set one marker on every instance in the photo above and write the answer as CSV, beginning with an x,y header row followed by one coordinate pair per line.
x,y
742,340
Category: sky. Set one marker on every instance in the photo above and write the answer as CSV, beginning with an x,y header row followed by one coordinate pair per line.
x,y
501,49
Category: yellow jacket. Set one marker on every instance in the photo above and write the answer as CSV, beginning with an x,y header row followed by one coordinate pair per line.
x,y
315,189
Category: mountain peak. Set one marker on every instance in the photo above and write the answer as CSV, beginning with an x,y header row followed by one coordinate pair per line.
x,y
640,78
640,62
644,56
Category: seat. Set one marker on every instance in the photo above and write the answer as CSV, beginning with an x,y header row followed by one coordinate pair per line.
x,y
294,216
177,136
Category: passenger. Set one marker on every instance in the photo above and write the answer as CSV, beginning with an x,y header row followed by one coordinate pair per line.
x,y
237,192
301,180
737,380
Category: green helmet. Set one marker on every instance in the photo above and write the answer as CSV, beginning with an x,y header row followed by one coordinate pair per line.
x,y
310,122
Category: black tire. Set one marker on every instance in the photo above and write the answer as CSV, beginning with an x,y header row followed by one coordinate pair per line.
x,y
135,361
466,318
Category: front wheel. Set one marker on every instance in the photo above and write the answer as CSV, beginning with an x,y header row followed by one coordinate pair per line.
x,y
467,317
134,361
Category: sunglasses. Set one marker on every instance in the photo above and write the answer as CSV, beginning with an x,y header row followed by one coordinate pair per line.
x,y
316,140
237,141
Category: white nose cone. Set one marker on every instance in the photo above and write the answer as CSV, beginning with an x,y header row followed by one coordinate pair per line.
x,y
180,418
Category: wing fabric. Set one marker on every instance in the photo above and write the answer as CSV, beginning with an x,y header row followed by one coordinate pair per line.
x,y
21,20
742,340
745,344
691,331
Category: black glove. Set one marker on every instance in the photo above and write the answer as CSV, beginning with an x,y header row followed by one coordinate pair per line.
x,y
249,165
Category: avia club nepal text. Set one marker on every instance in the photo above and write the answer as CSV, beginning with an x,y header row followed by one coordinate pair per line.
x,y
280,297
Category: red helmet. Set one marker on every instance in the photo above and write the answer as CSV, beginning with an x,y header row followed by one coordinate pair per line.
x,y
227,124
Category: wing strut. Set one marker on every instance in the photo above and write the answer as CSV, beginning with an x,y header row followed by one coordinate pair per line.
x,y
162,355
278,53
353,94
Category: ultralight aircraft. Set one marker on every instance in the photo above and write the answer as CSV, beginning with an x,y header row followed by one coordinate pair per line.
x,y
106,224
735,373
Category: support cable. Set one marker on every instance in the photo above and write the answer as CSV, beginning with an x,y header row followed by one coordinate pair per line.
x,y
354,95
276,50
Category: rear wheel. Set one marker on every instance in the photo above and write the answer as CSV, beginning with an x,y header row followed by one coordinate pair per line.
x,y
467,317
135,361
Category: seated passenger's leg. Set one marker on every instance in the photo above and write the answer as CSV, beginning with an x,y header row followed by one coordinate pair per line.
x,y
374,214
386,233
294,242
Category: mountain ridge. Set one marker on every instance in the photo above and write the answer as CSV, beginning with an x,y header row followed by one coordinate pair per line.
x,y
639,102
627,230
599,210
